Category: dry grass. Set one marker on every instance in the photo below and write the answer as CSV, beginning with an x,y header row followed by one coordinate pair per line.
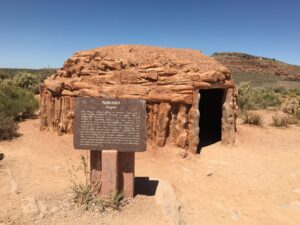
x,y
85,197
280,121
252,118
284,120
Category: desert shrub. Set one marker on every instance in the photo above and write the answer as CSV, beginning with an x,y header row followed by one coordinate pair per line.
x,y
294,92
268,98
280,90
293,120
6,82
27,81
297,113
283,121
280,121
256,98
17,103
290,106
8,127
295,117
252,118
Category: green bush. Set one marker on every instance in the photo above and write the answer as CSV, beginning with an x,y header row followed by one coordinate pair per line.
x,y
6,82
256,98
252,118
294,92
27,81
17,103
280,90
8,127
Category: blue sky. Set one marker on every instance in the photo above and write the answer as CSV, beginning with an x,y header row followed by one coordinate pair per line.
x,y
40,33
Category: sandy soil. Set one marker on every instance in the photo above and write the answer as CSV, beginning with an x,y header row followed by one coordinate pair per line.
x,y
255,182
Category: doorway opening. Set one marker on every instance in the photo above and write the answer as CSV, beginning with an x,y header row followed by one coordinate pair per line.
x,y
210,123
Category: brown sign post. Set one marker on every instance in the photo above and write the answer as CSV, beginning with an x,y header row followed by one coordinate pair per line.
x,y
113,129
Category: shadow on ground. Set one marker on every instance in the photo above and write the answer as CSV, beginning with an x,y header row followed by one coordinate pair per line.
x,y
145,186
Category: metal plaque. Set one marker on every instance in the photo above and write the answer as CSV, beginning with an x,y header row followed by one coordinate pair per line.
x,y
104,124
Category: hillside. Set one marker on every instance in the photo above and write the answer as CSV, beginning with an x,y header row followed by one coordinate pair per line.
x,y
7,73
245,63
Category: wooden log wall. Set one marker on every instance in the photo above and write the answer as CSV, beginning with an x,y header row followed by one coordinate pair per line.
x,y
166,122
175,123
56,113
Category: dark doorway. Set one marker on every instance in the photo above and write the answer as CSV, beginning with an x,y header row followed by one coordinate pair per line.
x,y
210,108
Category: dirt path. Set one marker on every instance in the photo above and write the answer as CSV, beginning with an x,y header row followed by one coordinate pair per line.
x,y
255,182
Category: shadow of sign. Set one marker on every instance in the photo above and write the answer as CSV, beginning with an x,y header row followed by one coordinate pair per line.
x,y
145,186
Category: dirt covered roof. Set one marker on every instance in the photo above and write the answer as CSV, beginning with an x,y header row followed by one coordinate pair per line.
x,y
137,71
142,56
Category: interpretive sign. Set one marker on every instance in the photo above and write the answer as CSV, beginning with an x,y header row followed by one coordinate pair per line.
x,y
104,123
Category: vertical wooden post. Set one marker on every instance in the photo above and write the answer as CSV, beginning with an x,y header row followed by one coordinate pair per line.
x,y
109,178
111,172
96,168
43,109
126,173
194,129
229,117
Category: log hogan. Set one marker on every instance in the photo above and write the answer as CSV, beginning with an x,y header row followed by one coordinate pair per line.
x,y
169,79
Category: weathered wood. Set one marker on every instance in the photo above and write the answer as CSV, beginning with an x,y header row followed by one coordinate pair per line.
x,y
193,124
126,173
90,93
163,124
70,93
96,171
65,106
83,85
211,76
70,116
149,120
201,84
155,120
43,115
57,112
172,126
49,110
181,125
228,118
53,85
110,170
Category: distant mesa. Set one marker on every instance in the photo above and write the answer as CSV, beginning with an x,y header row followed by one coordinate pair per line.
x,y
241,62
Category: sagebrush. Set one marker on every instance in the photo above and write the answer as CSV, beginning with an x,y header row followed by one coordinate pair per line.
x,y
251,98
17,103
29,79
252,118
8,127
283,120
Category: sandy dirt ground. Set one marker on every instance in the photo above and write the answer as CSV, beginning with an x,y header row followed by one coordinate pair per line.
x,y
255,182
